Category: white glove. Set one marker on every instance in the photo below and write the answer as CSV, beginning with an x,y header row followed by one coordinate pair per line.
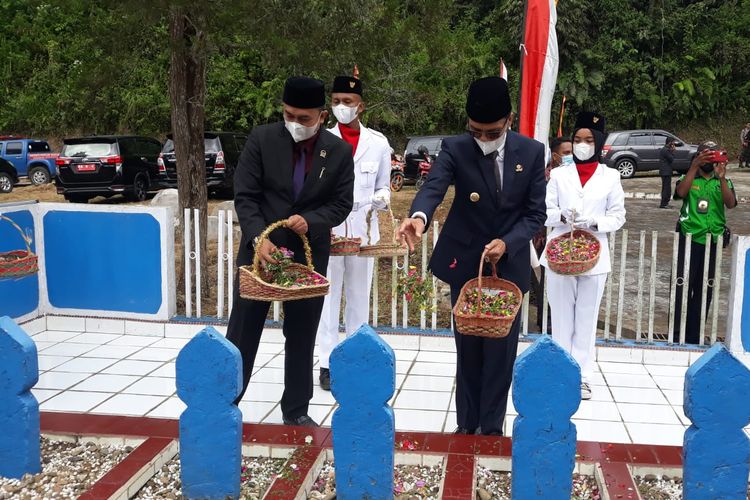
x,y
584,223
567,214
380,200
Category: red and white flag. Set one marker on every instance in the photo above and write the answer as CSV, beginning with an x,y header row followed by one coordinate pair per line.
x,y
503,70
539,63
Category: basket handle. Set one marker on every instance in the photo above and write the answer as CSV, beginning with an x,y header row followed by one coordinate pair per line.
x,y
368,217
26,239
479,281
264,236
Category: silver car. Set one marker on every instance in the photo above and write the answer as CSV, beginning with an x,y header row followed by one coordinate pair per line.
x,y
631,151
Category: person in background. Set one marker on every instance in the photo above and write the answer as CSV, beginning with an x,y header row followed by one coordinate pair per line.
x,y
585,195
562,154
372,174
706,193
666,156
745,146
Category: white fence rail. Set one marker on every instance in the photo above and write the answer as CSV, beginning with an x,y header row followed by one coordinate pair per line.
x,y
638,302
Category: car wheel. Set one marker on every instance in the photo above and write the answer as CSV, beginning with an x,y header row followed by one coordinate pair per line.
x,y
6,183
140,187
77,198
397,182
626,167
39,176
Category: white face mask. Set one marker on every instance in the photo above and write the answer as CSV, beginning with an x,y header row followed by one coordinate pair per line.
x,y
566,160
583,151
300,132
488,147
345,114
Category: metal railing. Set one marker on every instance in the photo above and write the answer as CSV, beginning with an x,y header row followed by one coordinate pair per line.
x,y
638,302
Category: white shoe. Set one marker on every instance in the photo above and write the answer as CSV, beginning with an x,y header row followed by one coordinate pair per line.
x,y
585,391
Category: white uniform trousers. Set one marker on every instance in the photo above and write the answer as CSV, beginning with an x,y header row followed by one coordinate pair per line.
x,y
575,301
353,276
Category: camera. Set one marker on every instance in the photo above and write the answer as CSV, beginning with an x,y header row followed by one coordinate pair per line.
x,y
718,157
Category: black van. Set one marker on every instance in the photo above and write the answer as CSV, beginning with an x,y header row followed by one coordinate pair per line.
x,y
222,153
108,165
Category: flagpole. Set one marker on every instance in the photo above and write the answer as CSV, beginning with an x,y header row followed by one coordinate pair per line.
x,y
562,114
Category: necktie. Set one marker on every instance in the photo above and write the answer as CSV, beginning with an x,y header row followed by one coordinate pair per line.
x,y
299,174
496,171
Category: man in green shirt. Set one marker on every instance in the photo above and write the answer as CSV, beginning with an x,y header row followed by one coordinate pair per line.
x,y
705,193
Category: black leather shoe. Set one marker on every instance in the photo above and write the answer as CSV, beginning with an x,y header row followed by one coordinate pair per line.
x,y
325,379
301,421
463,430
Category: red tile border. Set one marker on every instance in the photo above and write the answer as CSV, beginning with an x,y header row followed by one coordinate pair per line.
x,y
291,481
119,476
460,450
459,477
618,481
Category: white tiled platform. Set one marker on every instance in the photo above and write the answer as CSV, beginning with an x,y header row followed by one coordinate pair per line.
x,y
637,395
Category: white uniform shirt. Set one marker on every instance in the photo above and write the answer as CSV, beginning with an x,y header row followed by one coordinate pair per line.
x,y
372,174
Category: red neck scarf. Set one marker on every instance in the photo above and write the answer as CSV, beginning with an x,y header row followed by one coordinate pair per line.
x,y
586,170
350,135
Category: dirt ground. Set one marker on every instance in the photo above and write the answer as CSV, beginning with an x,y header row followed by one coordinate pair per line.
x,y
642,215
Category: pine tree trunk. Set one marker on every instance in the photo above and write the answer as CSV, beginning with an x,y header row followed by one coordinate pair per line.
x,y
187,94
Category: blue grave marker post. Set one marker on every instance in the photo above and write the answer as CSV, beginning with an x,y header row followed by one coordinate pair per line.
x,y
209,379
363,378
546,393
19,410
716,449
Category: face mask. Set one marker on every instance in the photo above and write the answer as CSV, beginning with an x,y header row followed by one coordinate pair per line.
x,y
300,132
707,168
566,160
583,151
490,146
345,114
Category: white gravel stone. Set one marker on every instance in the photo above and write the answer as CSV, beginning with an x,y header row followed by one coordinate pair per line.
x,y
68,470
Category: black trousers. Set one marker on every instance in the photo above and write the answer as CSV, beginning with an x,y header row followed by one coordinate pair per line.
x,y
666,189
694,283
484,371
301,319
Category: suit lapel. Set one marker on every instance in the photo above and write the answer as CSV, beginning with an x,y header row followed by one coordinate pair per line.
x,y
318,164
509,163
284,160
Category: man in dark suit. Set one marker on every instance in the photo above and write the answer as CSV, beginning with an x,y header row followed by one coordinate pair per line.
x,y
498,206
294,170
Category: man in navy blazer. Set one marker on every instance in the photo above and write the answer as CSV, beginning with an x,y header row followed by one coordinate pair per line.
x,y
499,206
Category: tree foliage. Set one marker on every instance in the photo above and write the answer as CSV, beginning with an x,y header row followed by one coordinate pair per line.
x,y
75,66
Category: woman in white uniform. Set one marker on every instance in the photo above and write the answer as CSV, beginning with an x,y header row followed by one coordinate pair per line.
x,y
588,195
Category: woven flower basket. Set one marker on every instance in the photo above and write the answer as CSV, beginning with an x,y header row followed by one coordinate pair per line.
x,y
485,325
253,287
566,263
18,263
347,245
388,246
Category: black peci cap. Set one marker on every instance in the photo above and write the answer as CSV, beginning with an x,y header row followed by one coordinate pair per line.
x,y
592,121
347,85
488,100
303,92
